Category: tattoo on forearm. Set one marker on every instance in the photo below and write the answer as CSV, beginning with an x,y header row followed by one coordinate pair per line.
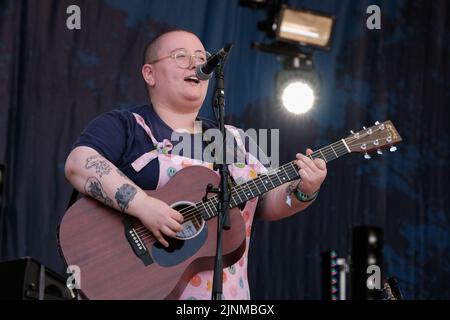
x,y
100,165
291,188
124,195
94,188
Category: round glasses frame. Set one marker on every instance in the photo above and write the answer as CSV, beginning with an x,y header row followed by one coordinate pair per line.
x,y
181,57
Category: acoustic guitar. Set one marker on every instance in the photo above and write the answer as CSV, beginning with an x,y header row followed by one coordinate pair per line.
x,y
118,257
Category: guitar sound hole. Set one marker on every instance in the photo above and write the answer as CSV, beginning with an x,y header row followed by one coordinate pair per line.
x,y
174,244
193,222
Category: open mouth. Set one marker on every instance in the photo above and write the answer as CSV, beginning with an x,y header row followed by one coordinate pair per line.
x,y
192,78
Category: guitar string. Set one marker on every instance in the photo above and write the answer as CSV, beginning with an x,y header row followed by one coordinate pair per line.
x,y
198,213
290,170
195,211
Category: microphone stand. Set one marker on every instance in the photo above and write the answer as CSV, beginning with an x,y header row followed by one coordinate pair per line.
x,y
224,192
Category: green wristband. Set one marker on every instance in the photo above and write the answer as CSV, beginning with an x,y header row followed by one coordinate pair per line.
x,y
302,197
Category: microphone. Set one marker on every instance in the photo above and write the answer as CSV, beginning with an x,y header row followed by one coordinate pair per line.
x,y
204,71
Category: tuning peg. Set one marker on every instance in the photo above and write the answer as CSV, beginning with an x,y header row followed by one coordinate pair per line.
x,y
351,131
379,152
367,156
393,149
377,123
364,128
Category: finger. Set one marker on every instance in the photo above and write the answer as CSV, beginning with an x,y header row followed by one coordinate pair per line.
x,y
168,232
304,175
309,151
160,238
300,164
320,164
308,161
177,216
174,225
308,178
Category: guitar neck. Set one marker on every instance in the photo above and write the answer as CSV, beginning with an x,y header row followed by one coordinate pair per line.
x,y
271,179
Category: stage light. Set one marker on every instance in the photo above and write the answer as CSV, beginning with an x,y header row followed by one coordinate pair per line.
x,y
298,97
304,27
297,88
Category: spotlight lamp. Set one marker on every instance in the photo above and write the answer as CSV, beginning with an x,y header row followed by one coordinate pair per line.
x,y
304,27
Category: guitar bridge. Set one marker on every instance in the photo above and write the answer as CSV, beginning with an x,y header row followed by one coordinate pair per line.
x,y
136,243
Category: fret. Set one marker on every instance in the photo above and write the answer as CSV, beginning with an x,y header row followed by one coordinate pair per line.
x,y
276,175
294,170
211,206
233,199
323,157
214,202
204,204
250,195
238,189
261,179
259,191
268,179
287,175
331,146
237,193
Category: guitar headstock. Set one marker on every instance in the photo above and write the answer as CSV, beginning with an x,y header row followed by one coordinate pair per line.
x,y
377,137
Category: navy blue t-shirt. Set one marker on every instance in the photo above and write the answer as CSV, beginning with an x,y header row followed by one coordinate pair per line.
x,y
119,138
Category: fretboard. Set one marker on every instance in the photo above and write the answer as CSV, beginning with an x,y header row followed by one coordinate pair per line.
x,y
270,180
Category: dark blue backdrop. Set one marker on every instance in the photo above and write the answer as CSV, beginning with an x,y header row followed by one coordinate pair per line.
x,y
53,81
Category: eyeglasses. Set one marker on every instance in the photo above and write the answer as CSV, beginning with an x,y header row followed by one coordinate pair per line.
x,y
183,58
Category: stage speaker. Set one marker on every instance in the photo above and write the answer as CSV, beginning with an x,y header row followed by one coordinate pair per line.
x,y
27,279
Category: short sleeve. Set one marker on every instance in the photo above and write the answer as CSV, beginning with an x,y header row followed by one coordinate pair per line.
x,y
107,134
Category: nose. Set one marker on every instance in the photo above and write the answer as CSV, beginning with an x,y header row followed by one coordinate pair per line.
x,y
193,63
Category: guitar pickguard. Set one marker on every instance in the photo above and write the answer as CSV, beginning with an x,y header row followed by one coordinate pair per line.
x,y
178,250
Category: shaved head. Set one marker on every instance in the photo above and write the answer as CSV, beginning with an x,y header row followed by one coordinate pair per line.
x,y
152,48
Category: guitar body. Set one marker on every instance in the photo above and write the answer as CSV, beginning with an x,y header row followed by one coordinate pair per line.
x,y
93,237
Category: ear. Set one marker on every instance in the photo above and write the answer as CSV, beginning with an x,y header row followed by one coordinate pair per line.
x,y
148,74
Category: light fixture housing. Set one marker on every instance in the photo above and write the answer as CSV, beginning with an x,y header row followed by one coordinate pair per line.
x,y
304,27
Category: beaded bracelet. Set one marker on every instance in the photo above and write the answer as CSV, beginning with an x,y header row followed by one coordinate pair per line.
x,y
302,197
